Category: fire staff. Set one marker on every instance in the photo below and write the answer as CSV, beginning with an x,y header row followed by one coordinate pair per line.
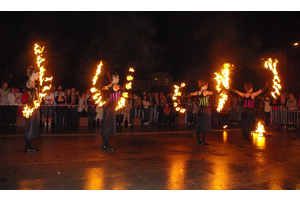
x,y
203,119
248,112
33,122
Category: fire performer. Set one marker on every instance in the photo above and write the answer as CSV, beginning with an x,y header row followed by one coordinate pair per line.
x,y
203,120
109,111
248,112
32,123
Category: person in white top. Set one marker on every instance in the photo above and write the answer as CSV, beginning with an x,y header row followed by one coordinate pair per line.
x,y
99,116
3,102
267,110
48,109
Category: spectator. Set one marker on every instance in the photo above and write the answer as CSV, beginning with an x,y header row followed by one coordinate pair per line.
x,y
68,109
195,111
4,90
170,103
160,110
91,108
146,104
19,94
167,111
82,106
99,115
127,108
155,108
267,111
59,88
151,100
12,101
282,108
48,109
189,110
119,118
292,106
75,100
60,103
137,104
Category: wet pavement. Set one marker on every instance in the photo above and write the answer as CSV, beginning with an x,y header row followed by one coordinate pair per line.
x,y
150,158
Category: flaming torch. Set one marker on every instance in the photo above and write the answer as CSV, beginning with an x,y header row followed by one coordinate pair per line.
x,y
276,81
38,51
128,86
222,82
177,93
96,93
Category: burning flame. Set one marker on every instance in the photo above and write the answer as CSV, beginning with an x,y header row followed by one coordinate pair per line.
x,y
222,81
125,94
222,101
121,103
129,78
176,94
260,128
98,71
128,86
225,126
276,81
96,94
131,69
38,51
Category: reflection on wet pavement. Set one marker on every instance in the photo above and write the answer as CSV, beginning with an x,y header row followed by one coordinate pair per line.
x,y
169,160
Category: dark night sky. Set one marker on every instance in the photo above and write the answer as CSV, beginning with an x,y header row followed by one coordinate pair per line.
x,y
192,44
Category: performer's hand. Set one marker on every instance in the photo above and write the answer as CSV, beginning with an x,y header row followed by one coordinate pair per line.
x,y
233,90
265,86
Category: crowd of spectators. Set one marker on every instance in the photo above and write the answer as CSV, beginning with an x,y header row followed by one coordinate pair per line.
x,y
64,107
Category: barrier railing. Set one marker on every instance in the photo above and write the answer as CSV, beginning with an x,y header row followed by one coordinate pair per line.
x,y
284,116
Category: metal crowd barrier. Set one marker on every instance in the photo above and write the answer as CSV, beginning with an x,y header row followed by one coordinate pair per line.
x,y
284,116
235,113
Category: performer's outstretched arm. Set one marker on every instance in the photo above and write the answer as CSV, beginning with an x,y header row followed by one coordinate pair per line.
x,y
206,93
254,94
194,93
238,92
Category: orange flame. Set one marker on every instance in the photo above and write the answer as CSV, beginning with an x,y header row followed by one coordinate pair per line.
x,y
260,128
176,94
222,81
129,78
121,103
131,69
98,71
125,94
276,81
96,94
128,86
38,51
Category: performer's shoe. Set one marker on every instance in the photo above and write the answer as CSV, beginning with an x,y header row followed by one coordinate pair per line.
x,y
204,143
199,142
108,148
31,149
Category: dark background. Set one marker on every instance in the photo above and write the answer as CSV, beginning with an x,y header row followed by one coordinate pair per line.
x,y
189,45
